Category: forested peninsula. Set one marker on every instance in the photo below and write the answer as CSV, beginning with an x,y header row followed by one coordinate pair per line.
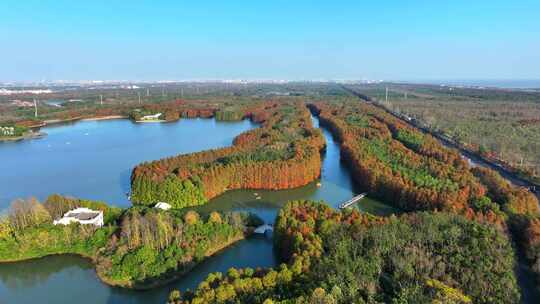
x,y
283,153
136,248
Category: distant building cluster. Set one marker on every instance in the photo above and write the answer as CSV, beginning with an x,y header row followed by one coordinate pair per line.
x,y
7,131
83,216
14,92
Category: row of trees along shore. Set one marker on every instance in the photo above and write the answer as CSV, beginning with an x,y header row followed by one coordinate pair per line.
x,y
283,153
172,110
138,247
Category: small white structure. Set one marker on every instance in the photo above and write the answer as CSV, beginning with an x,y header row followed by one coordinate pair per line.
x,y
7,131
163,206
84,216
151,117
262,229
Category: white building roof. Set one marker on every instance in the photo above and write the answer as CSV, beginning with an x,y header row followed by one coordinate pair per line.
x,y
163,206
82,216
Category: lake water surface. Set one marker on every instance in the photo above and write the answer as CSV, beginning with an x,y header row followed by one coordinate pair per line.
x,y
94,159
107,154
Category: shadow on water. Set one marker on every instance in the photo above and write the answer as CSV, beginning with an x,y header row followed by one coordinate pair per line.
x,y
530,293
124,180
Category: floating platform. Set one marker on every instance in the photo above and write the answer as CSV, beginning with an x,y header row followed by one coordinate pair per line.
x,y
352,201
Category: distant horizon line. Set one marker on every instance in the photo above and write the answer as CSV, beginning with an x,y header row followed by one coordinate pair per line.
x,y
494,82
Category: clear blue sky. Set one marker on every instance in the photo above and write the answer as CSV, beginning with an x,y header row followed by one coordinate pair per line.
x,y
293,39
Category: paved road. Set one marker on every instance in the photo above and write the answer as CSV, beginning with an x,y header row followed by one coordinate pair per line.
x,y
510,176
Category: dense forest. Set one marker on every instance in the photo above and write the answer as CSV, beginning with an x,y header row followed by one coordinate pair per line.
x,y
500,124
153,247
348,257
413,170
282,153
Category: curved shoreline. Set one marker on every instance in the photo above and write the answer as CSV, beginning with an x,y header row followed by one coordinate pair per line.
x,y
39,134
167,278
32,135
109,117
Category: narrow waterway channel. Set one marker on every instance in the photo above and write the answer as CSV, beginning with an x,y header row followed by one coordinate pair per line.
x,y
68,279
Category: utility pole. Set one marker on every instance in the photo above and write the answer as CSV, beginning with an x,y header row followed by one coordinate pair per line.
x,y
35,108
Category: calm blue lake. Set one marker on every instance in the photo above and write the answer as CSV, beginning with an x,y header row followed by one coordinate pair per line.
x,y
94,159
